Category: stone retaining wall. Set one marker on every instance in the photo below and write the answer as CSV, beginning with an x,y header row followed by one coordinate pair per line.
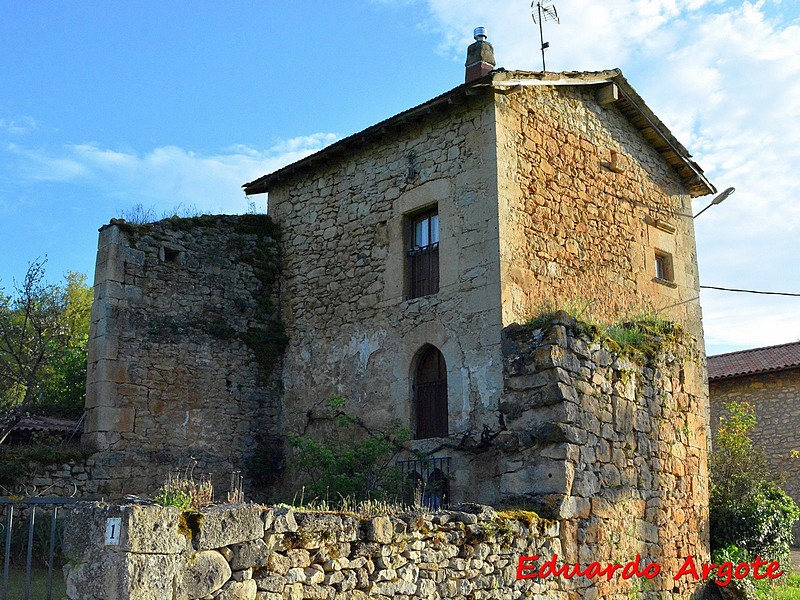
x,y
253,552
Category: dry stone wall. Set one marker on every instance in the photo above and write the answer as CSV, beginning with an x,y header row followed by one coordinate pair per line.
x,y
617,443
776,398
185,349
253,552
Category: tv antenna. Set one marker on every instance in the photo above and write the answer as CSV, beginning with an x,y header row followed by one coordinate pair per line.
x,y
544,13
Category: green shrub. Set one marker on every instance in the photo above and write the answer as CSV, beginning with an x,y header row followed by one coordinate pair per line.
x,y
750,514
346,460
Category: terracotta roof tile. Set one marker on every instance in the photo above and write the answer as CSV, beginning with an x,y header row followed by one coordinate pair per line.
x,y
755,360
34,423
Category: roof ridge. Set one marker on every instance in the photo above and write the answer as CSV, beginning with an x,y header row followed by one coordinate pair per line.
x,y
754,349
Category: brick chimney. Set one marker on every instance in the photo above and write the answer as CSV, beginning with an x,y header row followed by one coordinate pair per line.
x,y
480,56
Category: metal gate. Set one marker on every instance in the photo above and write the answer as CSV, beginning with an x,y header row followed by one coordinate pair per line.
x,y
29,534
427,481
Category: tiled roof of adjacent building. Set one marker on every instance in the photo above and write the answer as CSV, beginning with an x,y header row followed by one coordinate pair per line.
x,y
753,361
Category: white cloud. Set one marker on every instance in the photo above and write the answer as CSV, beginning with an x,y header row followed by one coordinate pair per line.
x,y
725,77
19,126
166,176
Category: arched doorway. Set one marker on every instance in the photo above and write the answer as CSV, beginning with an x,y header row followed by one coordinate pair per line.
x,y
430,394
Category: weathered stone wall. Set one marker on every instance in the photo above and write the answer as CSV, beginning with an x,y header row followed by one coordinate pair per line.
x,y
776,398
530,210
611,441
353,329
619,443
580,226
250,552
184,351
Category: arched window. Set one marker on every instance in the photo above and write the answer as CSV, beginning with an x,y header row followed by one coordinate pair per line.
x,y
430,394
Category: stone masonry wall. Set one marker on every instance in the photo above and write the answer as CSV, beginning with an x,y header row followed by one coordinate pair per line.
x,y
353,329
586,201
184,353
253,552
612,443
618,444
776,398
530,210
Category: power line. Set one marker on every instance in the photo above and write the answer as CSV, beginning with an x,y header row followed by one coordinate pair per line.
x,y
711,287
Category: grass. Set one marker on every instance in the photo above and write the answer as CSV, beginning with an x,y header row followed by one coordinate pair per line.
x,y
16,584
789,591
640,332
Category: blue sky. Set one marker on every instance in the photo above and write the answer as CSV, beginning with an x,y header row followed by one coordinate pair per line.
x,y
107,105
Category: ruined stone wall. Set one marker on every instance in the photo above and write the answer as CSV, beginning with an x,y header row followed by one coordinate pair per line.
x,y
619,443
353,329
586,201
184,351
611,441
252,552
776,398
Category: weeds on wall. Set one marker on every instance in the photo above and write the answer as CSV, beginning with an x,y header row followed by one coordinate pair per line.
x,y
184,492
265,336
642,332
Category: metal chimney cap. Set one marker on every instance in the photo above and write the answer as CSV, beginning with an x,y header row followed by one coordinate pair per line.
x,y
479,34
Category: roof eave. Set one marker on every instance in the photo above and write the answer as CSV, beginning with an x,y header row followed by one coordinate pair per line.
x,y
458,94
629,103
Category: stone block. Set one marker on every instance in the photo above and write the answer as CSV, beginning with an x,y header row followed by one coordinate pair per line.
x,y
150,529
238,590
148,576
379,529
283,520
249,554
110,419
226,525
100,393
115,371
203,573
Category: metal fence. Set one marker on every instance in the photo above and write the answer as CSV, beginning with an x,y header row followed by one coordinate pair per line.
x,y
35,548
427,481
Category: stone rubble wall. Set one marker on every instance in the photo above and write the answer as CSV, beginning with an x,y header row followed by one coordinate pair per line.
x,y
184,350
346,233
253,552
586,200
70,479
776,398
612,444
616,444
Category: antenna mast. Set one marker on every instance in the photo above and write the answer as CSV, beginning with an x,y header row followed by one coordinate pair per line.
x,y
541,14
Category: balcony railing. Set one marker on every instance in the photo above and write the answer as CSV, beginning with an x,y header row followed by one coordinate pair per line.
x,y
424,265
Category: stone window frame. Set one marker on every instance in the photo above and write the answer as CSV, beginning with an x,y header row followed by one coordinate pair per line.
x,y
664,267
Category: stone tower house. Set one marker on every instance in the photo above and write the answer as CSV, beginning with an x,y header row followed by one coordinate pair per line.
x,y
433,230
392,271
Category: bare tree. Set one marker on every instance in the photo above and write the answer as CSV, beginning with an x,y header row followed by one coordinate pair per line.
x,y
31,328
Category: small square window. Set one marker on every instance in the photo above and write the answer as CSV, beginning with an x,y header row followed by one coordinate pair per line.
x,y
171,255
663,266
